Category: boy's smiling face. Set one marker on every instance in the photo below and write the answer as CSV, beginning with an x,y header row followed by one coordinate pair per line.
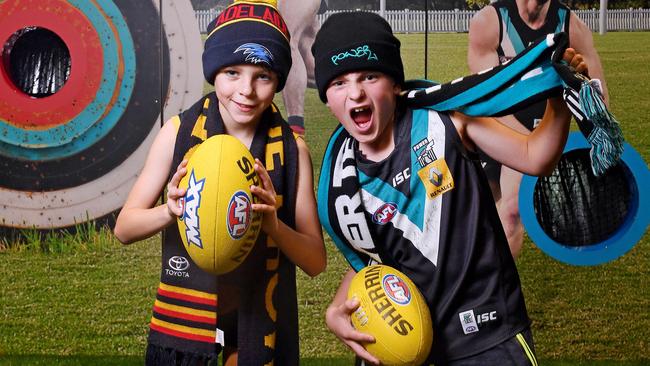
x,y
244,92
364,102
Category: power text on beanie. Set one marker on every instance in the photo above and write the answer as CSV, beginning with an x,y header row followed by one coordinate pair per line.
x,y
355,41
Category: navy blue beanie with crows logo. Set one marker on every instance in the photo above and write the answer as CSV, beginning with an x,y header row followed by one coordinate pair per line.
x,y
248,32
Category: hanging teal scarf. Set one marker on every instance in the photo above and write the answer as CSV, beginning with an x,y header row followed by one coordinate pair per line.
x,y
535,74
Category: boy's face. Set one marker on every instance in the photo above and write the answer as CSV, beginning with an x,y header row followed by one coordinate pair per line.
x,y
244,92
364,102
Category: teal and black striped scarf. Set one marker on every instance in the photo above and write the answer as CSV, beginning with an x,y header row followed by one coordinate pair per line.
x,y
535,74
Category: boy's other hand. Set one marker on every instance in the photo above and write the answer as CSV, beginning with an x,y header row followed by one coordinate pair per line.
x,y
573,68
575,61
174,194
268,202
337,318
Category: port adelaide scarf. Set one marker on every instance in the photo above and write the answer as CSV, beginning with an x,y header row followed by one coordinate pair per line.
x,y
185,325
535,74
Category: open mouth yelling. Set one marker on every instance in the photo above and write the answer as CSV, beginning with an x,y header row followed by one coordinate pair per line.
x,y
361,117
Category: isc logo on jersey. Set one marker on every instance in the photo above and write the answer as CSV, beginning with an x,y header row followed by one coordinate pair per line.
x,y
239,214
190,204
396,289
384,213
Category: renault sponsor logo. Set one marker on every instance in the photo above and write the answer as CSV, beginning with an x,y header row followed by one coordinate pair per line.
x,y
437,178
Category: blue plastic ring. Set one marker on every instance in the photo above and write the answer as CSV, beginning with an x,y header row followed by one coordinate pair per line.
x,y
626,236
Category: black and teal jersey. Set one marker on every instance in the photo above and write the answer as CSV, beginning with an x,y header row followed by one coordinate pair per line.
x,y
427,210
515,35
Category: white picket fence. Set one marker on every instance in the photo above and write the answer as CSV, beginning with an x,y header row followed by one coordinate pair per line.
x,y
410,21
618,19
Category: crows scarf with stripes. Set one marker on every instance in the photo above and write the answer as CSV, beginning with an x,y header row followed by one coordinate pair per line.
x,y
190,302
535,74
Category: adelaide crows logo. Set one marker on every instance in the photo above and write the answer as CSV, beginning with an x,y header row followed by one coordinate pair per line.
x,y
255,53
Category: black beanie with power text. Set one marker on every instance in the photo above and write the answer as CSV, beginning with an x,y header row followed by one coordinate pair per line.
x,y
354,41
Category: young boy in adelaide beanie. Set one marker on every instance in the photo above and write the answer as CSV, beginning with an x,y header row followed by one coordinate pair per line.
x,y
248,32
196,314
420,165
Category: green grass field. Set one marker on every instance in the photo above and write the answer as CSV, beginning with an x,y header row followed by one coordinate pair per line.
x,y
90,304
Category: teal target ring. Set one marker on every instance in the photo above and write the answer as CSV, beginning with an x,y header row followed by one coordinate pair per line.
x,y
111,98
80,163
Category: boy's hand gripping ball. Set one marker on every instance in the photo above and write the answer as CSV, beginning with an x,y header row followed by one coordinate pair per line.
x,y
394,311
218,225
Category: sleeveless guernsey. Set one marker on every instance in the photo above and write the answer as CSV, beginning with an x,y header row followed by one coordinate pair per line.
x,y
259,297
427,210
515,35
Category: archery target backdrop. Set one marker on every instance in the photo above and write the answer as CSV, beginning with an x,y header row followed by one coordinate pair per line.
x,y
81,84
582,219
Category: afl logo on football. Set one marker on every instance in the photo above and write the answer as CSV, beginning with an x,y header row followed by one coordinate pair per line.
x,y
396,289
239,214
384,213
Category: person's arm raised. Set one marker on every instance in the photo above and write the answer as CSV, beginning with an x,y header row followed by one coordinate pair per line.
x,y
482,51
534,154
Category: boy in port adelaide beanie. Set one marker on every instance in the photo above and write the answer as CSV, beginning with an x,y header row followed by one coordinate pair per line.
x,y
355,41
248,32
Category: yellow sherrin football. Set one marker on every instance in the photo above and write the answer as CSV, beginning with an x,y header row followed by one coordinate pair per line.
x,y
394,311
218,226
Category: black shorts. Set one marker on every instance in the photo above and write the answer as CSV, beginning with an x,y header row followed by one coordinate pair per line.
x,y
516,351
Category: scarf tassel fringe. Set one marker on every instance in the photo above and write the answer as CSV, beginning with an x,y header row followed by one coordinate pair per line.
x,y
606,138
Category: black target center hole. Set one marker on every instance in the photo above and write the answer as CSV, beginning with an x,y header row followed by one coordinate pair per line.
x,y
37,61
576,208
